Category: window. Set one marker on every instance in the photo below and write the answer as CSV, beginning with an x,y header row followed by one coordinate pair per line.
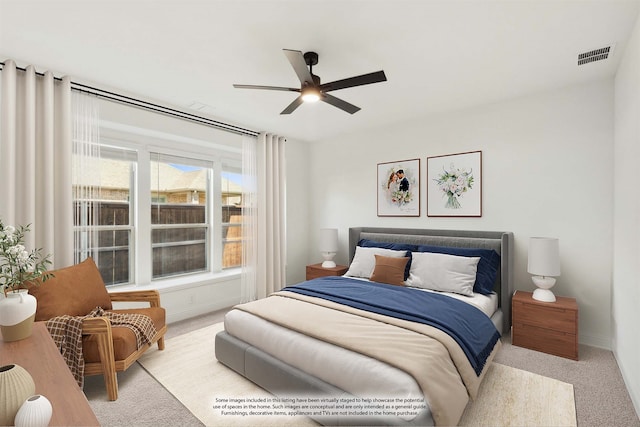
x,y
145,211
103,225
231,192
180,237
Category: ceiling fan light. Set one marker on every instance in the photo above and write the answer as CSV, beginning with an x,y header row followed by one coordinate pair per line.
x,y
310,94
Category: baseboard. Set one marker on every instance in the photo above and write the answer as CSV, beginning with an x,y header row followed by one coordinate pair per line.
x,y
196,310
595,341
635,398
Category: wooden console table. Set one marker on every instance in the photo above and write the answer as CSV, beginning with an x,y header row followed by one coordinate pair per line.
x,y
39,355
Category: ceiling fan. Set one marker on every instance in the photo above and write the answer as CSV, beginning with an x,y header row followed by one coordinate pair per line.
x,y
310,88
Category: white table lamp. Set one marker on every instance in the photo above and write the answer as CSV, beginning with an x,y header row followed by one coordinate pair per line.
x,y
544,264
328,246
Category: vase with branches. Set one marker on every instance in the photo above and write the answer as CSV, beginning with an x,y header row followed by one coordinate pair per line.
x,y
18,266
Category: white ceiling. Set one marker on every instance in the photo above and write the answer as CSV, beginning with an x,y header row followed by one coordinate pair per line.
x,y
437,55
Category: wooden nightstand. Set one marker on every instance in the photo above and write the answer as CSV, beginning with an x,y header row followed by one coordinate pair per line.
x,y
316,270
550,327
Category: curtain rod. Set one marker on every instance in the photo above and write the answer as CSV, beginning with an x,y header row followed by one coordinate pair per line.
x,y
80,87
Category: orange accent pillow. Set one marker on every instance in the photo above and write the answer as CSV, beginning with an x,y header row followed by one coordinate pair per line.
x,y
389,270
74,290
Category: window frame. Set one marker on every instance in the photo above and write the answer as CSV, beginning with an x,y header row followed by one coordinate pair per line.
x,y
231,166
119,153
144,142
164,157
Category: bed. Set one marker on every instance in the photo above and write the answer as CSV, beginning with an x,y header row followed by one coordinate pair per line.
x,y
319,339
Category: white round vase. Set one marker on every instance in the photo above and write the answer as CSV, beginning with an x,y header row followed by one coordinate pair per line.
x,y
16,385
17,313
36,411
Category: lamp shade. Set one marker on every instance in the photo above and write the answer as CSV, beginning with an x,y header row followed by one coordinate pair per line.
x,y
544,256
328,240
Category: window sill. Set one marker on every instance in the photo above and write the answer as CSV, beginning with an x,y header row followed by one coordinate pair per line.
x,y
182,282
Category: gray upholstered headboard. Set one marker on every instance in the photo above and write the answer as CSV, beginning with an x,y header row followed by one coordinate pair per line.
x,y
501,242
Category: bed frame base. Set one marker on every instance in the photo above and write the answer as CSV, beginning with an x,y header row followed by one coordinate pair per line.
x,y
283,380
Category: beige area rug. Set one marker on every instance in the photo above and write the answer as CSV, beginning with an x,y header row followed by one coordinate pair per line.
x,y
188,369
513,397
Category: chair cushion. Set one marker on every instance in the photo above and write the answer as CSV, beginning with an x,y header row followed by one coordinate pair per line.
x,y
74,290
124,340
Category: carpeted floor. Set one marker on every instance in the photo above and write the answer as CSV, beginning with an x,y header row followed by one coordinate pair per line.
x,y
600,394
527,398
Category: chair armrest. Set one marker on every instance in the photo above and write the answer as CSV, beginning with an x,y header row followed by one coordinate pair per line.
x,y
96,325
152,297
100,327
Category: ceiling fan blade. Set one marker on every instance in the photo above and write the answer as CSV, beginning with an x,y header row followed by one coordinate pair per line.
x,y
364,79
291,107
287,89
299,65
337,102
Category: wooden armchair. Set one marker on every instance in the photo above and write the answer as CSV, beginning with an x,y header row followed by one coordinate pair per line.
x,y
107,349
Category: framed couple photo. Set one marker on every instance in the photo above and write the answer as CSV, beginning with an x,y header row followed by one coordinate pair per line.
x,y
399,188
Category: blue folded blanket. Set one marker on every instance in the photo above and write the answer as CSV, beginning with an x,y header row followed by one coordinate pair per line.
x,y
468,326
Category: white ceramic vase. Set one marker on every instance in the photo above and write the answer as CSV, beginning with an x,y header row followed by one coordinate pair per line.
x,y
17,313
16,385
36,411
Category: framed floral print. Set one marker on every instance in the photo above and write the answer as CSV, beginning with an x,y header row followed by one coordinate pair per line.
x,y
454,185
399,188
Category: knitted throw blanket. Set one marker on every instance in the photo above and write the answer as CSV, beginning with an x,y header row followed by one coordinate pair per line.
x,y
66,332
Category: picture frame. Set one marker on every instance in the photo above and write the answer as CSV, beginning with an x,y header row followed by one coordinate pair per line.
x,y
454,185
398,188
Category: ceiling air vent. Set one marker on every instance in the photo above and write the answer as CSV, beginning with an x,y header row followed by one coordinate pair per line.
x,y
595,55
202,107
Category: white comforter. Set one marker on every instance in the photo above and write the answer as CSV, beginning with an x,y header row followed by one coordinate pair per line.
x,y
350,371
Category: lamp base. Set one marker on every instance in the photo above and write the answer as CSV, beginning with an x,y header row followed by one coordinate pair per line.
x,y
328,264
544,295
328,259
544,284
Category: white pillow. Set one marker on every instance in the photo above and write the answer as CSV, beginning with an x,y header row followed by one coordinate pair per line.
x,y
443,272
364,260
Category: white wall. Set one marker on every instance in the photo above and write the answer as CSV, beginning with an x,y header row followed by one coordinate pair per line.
x,y
547,171
297,157
626,248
